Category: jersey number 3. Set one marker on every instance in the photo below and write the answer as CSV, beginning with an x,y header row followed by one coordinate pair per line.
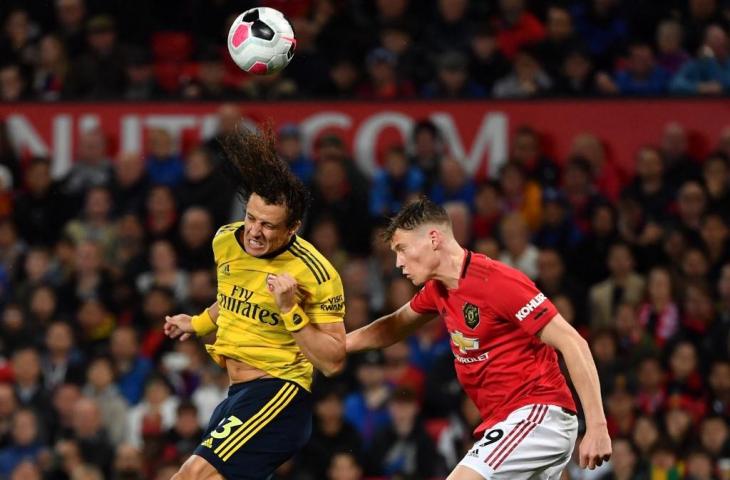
x,y
224,429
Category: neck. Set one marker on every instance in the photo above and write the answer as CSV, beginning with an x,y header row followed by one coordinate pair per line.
x,y
451,265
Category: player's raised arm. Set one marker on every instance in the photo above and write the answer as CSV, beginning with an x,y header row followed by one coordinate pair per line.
x,y
386,330
596,444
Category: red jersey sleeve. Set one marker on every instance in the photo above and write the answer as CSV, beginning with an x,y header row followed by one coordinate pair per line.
x,y
519,301
424,301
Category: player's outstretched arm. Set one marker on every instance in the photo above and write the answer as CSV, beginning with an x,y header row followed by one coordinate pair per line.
x,y
386,330
596,445
184,326
323,343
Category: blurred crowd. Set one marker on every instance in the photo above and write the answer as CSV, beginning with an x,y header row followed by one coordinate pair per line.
x,y
90,264
378,49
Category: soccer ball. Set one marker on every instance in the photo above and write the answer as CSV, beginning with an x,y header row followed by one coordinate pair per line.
x,y
261,41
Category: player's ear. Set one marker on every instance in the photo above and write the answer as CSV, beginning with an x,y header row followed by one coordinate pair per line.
x,y
295,228
435,237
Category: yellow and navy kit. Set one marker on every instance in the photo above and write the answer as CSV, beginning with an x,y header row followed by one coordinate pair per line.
x,y
250,328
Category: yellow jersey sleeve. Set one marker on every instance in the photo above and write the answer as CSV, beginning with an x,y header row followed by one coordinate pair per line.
x,y
325,296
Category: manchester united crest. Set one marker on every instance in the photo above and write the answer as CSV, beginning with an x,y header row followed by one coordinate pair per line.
x,y
471,315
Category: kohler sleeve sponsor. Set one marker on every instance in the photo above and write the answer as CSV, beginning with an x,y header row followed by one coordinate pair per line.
x,y
530,306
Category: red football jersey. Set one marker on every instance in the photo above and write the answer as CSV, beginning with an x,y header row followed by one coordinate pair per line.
x,y
492,317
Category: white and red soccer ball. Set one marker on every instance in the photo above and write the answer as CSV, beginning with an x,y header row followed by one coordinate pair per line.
x,y
261,41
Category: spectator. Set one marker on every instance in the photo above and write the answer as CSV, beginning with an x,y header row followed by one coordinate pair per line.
x,y
384,83
607,176
680,166
428,151
92,167
404,448
453,79
641,76
366,409
164,165
558,230
161,221
182,439
205,187
132,369
60,423
25,442
13,85
719,387
20,38
486,61
95,225
716,179
344,466
649,187
71,15
516,27
412,60
26,366
394,184
99,73
154,414
622,285
527,151
8,408
521,195
519,252
671,55
141,83
51,70
660,314
710,73
600,28
89,432
453,184
130,183
331,434
527,79
196,233
576,76
343,78
559,39
101,389
651,394
128,464
714,435
209,83
449,29
62,362
624,461
291,149
487,210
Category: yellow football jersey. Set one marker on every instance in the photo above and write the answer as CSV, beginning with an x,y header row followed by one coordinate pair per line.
x,y
250,328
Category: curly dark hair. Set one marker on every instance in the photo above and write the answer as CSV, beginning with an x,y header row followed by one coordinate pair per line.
x,y
414,215
255,167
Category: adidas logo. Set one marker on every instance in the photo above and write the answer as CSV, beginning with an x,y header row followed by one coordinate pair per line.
x,y
474,453
208,442
226,269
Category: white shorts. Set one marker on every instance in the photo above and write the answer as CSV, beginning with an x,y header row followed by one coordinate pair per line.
x,y
533,442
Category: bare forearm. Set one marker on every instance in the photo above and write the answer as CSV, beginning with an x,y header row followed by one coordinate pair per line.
x,y
381,333
326,351
584,375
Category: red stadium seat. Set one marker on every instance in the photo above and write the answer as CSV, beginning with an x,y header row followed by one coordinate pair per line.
x,y
435,426
172,46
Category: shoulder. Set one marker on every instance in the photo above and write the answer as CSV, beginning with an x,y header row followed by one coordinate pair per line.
x,y
320,268
228,228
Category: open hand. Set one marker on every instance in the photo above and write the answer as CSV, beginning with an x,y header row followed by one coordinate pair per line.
x,y
284,288
179,325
